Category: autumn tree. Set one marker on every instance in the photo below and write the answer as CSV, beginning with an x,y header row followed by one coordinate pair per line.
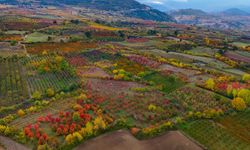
x,y
20,113
37,95
210,84
245,95
239,104
50,92
246,77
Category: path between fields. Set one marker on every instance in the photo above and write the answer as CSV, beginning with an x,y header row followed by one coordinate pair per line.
x,y
10,144
123,140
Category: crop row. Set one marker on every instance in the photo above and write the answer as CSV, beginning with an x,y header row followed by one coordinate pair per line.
x,y
214,137
13,87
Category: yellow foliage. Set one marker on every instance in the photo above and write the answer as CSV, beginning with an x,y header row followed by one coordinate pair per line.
x,y
44,53
20,113
77,107
119,76
152,107
245,95
82,97
50,92
69,139
89,128
2,128
168,124
239,104
246,77
32,109
36,95
210,84
115,71
77,136
58,59
99,123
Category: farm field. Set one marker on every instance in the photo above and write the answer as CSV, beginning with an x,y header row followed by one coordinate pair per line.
x,y
14,88
68,81
214,136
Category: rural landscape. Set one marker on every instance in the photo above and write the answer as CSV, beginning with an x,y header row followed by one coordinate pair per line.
x,y
84,75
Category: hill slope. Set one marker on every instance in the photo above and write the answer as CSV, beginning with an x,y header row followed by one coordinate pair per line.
x,y
188,12
235,12
129,8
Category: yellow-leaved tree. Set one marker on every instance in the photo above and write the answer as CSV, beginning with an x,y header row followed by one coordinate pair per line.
x,y
246,77
245,95
239,104
210,84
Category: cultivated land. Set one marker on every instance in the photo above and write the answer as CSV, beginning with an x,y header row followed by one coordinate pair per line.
x,y
68,81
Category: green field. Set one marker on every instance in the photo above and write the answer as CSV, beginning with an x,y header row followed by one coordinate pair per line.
x,y
37,37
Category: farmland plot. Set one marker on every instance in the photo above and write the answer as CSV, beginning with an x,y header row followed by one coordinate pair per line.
x,y
213,136
58,82
8,50
40,79
121,99
209,61
13,87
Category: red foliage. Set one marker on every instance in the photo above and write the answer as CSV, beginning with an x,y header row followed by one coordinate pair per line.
x,y
144,61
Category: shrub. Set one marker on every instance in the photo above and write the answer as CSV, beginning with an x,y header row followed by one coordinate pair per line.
x,y
210,84
239,104
152,107
246,77
99,123
20,113
245,95
76,117
13,43
50,92
37,95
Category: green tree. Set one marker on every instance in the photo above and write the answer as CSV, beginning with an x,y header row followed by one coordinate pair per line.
x,y
88,34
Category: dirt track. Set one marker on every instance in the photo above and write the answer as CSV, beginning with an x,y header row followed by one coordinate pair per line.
x,y
123,140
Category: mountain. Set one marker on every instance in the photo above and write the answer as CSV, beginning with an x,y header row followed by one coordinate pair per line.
x,y
129,8
235,12
188,12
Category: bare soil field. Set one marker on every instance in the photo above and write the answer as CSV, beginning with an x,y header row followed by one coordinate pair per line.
x,y
123,140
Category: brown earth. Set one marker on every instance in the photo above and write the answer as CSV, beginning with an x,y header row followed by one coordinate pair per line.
x,y
123,140
10,144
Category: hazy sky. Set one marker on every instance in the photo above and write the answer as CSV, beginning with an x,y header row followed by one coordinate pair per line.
x,y
208,5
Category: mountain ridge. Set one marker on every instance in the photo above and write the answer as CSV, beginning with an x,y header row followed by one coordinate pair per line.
x,y
129,8
235,12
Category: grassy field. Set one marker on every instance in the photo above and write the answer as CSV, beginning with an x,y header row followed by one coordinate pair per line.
x,y
37,37
166,83
200,51
240,44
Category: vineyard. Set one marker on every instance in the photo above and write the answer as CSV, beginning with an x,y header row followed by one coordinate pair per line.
x,y
71,74
213,136
13,86
64,80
